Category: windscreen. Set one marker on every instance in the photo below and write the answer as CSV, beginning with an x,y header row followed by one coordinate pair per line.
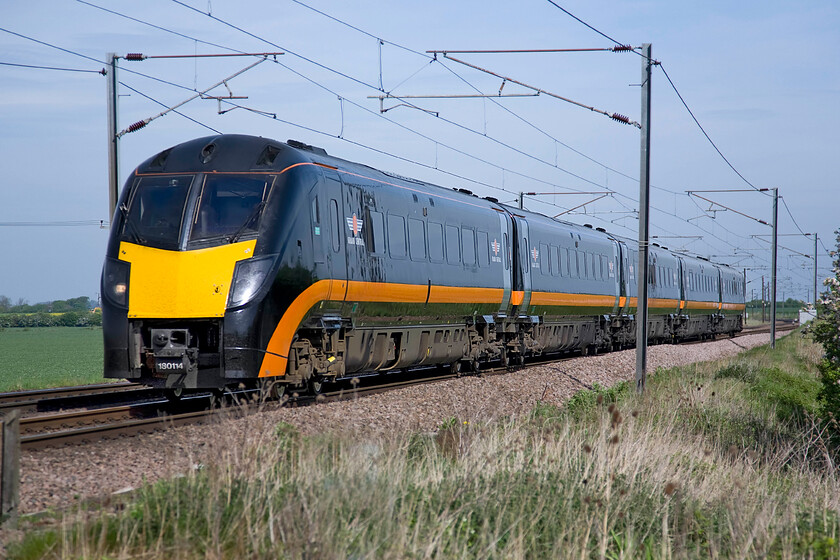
x,y
230,206
156,209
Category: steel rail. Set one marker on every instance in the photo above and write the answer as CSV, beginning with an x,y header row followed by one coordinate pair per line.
x,y
110,431
79,397
38,394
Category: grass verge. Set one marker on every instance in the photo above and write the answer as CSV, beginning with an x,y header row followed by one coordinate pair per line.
x,y
716,460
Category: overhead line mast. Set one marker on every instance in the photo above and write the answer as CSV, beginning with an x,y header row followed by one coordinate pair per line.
x,y
644,224
114,133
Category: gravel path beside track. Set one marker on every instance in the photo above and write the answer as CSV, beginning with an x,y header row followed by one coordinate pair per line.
x,y
56,478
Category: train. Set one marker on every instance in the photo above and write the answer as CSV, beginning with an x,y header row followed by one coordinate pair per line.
x,y
236,259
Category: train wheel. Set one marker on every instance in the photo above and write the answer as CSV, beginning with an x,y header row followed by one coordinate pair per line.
x,y
272,390
174,394
315,386
476,366
455,368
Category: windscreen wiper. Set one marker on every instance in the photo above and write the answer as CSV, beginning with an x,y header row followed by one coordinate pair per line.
x,y
256,212
133,229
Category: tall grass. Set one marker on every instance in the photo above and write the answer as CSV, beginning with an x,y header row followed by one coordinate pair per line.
x,y
708,464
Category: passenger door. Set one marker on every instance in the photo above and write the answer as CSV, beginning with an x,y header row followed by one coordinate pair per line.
x,y
335,251
522,252
501,254
623,279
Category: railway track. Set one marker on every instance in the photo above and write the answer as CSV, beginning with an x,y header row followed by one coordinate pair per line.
x,y
83,396
83,426
7,399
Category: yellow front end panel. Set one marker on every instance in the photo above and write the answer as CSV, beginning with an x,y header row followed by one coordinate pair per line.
x,y
181,284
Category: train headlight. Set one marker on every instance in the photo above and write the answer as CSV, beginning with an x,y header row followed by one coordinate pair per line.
x,y
115,275
249,276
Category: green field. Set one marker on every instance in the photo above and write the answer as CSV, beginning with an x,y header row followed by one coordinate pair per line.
x,y
44,357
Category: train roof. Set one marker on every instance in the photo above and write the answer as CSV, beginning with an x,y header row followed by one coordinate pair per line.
x,y
243,152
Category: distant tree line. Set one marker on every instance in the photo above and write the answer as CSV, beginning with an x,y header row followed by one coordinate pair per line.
x,y
75,312
82,303
788,303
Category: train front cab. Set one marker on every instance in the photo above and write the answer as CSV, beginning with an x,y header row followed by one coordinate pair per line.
x,y
191,259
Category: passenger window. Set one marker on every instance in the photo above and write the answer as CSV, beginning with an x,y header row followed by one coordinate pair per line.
x,y
528,257
375,232
554,263
506,251
336,225
316,214
435,242
545,266
453,245
417,239
396,236
468,239
317,240
564,262
483,249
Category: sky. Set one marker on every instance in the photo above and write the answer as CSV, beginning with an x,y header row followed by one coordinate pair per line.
x,y
761,78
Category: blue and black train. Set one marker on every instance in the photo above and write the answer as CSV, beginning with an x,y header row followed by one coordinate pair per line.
x,y
237,259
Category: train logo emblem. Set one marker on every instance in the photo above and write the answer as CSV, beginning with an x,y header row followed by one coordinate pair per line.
x,y
495,247
355,224
535,255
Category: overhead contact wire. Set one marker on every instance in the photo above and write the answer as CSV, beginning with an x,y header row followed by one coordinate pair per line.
x,y
368,85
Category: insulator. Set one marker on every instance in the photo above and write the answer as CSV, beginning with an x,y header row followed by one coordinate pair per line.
x,y
135,56
620,118
137,126
622,48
